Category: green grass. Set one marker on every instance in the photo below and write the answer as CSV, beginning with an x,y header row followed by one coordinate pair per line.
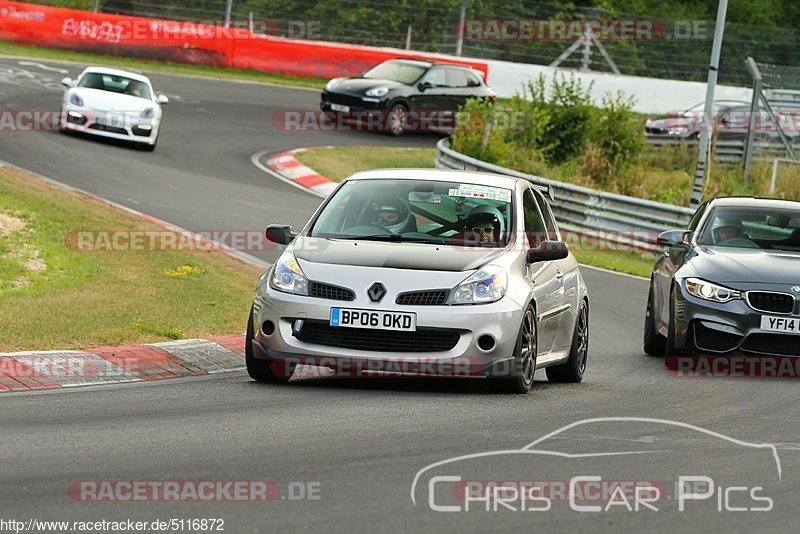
x,y
338,163
621,262
54,296
163,67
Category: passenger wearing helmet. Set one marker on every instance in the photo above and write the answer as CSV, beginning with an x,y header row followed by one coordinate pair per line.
x,y
392,213
485,225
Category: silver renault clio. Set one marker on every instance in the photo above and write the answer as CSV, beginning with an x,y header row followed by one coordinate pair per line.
x,y
424,272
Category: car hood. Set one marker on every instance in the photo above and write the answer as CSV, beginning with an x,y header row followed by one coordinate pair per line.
x,y
412,256
361,85
733,265
107,101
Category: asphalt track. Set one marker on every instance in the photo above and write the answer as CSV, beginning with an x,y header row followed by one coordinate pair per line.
x,y
362,441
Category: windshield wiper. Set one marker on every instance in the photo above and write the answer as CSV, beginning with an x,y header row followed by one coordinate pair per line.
x,y
394,238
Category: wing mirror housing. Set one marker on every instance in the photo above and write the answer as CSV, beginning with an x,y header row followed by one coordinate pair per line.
x,y
548,251
280,234
424,86
675,239
162,99
66,82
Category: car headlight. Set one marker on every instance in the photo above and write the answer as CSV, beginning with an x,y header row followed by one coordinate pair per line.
x,y
708,291
288,276
677,131
75,99
149,113
333,83
487,285
377,92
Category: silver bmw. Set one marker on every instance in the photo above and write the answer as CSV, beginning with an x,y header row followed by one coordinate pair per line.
x,y
424,272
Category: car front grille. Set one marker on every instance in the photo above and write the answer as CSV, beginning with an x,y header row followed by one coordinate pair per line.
x,y
714,340
344,100
423,298
330,292
423,340
769,302
109,129
778,344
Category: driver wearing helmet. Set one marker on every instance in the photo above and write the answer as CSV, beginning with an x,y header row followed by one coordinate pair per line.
x,y
485,225
392,213
728,230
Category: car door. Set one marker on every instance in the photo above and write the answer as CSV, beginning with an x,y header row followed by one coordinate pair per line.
x,y
568,269
544,277
431,92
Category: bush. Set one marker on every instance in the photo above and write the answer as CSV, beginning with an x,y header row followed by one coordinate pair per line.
x,y
553,126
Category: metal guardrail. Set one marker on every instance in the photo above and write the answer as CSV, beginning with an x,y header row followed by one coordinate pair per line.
x,y
608,216
727,150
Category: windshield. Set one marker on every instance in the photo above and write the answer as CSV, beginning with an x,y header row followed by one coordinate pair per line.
x,y
422,211
397,71
115,84
759,228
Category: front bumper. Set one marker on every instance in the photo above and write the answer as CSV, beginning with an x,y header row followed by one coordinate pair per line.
x,y
136,130
732,328
355,103
276,313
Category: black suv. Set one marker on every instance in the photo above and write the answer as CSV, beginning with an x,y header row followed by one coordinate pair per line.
x,y
400,95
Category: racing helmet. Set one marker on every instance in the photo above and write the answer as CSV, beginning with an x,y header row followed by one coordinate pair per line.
x,y
390,212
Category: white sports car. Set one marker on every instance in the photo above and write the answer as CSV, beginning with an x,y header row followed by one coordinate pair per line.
x,y
113,103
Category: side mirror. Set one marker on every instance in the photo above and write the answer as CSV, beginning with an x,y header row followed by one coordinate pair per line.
x,y
66,82
424,86
162,99
548,251
675,239
280,234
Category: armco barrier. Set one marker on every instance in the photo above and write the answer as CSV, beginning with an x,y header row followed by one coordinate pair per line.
x,y
187,42
637,221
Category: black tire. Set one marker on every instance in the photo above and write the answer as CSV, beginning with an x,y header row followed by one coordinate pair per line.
x,y
572,370
396,120
670,352
259,370
524,365
654,344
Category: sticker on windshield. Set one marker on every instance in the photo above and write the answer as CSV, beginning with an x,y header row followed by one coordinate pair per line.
x,y
481,191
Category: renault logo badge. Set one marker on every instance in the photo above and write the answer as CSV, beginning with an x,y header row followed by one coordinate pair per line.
x,y
376,292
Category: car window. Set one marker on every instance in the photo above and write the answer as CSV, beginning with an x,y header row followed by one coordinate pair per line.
x,y
446,213
115,84
398,71
535,227
457,78
472,80
697,216
436,77
752,227
549,219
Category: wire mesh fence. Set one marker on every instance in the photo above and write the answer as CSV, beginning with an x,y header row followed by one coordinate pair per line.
x,y
494,29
